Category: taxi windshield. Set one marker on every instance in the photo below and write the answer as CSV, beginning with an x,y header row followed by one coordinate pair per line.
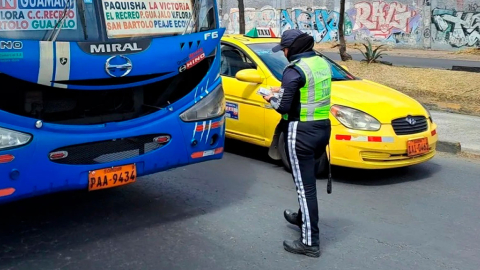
x,y
92,20
277,62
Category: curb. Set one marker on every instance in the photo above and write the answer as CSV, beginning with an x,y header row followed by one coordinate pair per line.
x,y
456,149
449,147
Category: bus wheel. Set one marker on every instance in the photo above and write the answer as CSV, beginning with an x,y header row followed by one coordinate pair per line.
x,y
321,164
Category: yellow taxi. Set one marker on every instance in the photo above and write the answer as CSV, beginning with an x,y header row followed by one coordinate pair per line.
x,y
373,126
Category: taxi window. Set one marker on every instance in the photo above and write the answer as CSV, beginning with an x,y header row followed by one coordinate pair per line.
x,y
233,60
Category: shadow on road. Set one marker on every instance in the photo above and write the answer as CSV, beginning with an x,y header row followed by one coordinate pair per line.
x,y
385,176
342,174
249,150
38,228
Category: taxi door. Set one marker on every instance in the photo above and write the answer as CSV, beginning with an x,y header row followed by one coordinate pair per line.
x,y
245,109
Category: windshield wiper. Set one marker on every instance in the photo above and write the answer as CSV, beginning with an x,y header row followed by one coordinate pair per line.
x,y
83,18
55,32
194,13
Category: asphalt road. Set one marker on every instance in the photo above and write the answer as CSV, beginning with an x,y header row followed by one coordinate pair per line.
x,y
228,215
413,61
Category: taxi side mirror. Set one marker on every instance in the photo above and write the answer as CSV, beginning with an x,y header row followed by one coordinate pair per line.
x,y
345,67
249,75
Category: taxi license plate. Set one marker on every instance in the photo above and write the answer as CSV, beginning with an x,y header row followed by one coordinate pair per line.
x,y
112,177
417,147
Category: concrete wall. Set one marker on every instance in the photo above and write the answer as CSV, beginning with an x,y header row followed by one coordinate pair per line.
x,y
435,24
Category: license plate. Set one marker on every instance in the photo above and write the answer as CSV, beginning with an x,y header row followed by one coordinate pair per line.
x,y
417,147
112,177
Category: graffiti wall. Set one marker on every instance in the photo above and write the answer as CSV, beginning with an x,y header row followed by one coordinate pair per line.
x,y
457,29
378,20
267,16
416,23
392,22
320,23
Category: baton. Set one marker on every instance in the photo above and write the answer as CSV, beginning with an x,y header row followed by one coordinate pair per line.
x,y
329,181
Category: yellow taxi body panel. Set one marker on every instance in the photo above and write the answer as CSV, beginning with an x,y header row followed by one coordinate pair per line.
x,y
254,120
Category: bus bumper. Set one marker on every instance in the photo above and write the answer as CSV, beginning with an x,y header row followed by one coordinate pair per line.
x,y
32,172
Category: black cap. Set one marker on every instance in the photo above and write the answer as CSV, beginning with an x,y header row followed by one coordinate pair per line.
x,y
288,37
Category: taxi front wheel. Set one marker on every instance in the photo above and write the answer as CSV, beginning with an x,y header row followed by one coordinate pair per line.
x,y
321,163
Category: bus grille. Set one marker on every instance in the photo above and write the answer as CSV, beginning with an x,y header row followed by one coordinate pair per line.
x,y
402,127
108,151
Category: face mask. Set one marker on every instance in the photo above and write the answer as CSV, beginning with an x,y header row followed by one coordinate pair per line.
x,y
302,43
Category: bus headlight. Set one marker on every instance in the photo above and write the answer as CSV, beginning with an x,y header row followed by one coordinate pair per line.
x,y
211,106
10,138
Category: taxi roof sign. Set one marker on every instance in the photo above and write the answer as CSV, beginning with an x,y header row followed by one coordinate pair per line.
x,y
261,32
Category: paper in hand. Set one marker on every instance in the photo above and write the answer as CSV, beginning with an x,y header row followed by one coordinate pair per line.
x,y
264,91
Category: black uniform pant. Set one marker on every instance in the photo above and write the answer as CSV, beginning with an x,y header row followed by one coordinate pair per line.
x,y
305,142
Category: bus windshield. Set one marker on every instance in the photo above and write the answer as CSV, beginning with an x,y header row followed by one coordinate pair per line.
x,y
103,20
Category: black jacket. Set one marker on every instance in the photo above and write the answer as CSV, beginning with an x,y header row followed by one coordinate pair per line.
x,y
289,96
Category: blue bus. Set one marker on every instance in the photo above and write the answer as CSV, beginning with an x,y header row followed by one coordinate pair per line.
x,y
95,93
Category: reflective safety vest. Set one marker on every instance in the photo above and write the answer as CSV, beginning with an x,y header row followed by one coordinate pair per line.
x,y
315,94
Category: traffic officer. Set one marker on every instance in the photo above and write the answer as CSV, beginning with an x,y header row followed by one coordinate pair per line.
x,y
304,102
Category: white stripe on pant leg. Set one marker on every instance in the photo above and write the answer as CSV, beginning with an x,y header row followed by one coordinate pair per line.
x,y
298,182
306,214
295,175
302,189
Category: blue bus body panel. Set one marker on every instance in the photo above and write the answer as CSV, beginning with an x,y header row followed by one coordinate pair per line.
x,y
46,62
39,175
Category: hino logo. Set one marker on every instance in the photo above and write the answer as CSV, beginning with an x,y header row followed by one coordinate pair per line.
x,y
9,45
118,66
114,48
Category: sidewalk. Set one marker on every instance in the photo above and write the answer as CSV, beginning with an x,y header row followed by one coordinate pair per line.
x,y
410,61
431,54
457,128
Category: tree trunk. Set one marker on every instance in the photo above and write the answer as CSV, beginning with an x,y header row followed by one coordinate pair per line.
x,y
343,46
241,16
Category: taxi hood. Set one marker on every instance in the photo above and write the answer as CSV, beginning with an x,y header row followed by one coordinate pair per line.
x,y
381,102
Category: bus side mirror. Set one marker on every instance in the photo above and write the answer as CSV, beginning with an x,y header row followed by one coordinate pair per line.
x,y
345,67
249,75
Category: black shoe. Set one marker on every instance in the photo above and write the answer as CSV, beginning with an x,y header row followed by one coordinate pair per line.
x,y
292,218
297,247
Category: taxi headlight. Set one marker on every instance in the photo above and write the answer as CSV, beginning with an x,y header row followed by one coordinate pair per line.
x,y
211,106
355,119
10,138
